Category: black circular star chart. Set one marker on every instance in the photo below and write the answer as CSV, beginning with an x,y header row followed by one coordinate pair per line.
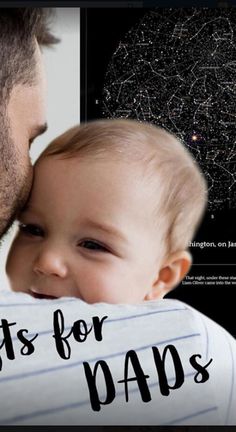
x,y
177,68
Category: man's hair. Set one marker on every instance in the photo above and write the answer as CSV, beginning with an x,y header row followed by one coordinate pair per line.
x,y
20,28
166,163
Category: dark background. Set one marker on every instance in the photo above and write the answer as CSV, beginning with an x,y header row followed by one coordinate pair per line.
x,y
101,31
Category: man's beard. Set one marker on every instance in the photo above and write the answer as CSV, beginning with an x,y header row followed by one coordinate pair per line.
x,y
15,178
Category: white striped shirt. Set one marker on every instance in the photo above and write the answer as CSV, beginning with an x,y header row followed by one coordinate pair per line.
x,y
45,389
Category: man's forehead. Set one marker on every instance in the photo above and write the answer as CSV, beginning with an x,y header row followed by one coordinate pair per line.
x,y
30,97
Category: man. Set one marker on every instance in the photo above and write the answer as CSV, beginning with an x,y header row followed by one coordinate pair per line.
x,y
22,106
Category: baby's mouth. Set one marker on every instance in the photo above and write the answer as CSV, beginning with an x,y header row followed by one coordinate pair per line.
x,y
42,296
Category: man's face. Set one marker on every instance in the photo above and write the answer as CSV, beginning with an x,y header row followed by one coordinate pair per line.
x,y
87,231
23,120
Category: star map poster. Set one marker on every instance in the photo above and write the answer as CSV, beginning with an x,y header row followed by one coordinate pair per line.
x,y
176,67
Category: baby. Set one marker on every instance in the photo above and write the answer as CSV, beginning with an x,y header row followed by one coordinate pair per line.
x,y
113,207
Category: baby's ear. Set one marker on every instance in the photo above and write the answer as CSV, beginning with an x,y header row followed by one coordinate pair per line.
x,y
172,272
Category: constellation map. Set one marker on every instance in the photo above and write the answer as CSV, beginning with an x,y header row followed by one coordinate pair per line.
x,y
177,68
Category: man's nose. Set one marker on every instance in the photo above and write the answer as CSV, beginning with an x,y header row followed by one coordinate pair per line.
x,y
51,262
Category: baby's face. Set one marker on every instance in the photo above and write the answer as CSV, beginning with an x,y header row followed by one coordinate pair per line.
x,y
88,231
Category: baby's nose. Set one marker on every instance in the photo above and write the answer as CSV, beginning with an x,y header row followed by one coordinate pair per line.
x,y
51,263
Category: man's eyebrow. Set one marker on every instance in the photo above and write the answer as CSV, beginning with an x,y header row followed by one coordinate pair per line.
x,y
109,229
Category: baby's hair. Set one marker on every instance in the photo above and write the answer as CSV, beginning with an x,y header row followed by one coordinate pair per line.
x,y
181,187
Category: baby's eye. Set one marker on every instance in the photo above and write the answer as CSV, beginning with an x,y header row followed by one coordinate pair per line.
x,y
31,230
93,245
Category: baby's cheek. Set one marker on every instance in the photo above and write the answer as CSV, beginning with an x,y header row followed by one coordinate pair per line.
x,y
19,266
14,259
17,271
100,284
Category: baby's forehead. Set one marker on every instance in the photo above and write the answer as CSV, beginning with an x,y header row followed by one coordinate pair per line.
x,y
142,152
138,159
108,169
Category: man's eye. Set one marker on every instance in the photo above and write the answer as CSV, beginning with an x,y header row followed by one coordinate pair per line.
x,y
93,245
31,142
31,230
